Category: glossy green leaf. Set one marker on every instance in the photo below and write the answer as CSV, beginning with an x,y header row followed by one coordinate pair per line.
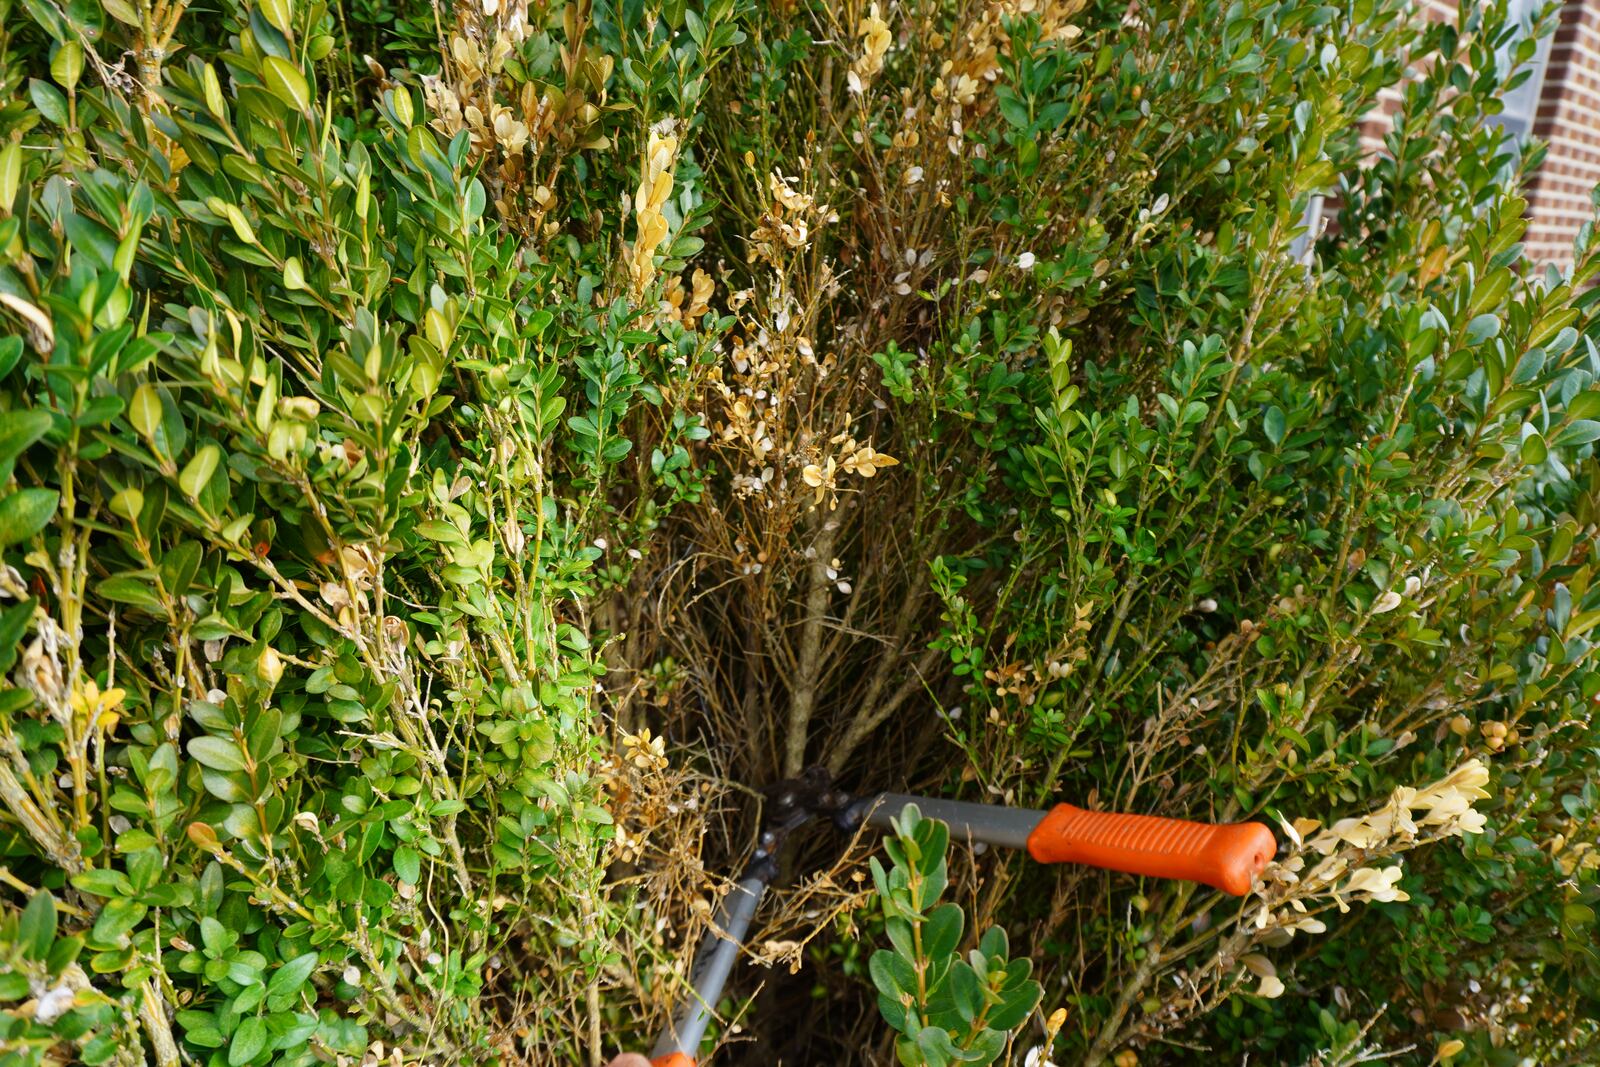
x,y
217,753
286,82
26,512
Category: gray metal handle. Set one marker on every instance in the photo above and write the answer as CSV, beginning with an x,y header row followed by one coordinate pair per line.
x,y
992,823
713,963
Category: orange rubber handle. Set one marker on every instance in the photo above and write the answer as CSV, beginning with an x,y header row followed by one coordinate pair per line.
x,y
672,1059
1226,856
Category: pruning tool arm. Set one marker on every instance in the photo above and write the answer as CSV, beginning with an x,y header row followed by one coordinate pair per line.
x,y
1226,856
680,1041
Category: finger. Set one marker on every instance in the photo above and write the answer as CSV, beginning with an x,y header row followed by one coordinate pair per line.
x,y
629,1059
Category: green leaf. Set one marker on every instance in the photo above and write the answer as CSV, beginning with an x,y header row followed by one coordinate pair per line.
x,y
249,1041
1013,110
99,411
1482,329
67,65
1274,424
408,864
1585,405
129,589
280,13
892,974
437,530
537,323
215,937
179,566
966,989
1528,367
942,932
26,512
994,943
1016,1004
18,431
935,1046
218,753
10,173
1578,432
10,354
197,473
103,882
13,624
934,838
286,82
1489,292
144,412
49,100
64,953
116,920
288,979
225,786
900,935
1027,156
986,1047
36,930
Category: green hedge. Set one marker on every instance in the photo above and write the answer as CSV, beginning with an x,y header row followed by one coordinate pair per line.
x,y
444,449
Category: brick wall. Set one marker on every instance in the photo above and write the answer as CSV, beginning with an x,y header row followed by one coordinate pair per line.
x,y
1563,101
1375,126
1568,121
